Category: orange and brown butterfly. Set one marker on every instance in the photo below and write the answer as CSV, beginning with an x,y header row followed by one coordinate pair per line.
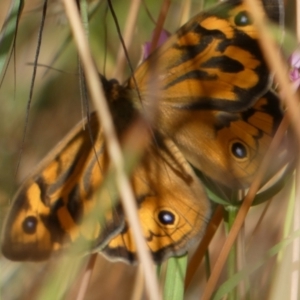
x,y
209,89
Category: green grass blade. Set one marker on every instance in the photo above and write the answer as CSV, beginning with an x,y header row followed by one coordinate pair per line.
x,y
8,33
175,275
231,283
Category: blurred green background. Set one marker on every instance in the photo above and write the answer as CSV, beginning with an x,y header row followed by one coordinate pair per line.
x,y
57,106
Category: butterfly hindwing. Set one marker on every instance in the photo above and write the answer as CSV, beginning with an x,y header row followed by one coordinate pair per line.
x,y
228,147
172,205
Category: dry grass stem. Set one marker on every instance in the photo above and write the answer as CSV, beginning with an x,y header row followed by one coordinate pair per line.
x,y
114,149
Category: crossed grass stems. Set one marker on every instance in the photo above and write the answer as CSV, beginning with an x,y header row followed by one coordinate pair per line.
x,y
239,219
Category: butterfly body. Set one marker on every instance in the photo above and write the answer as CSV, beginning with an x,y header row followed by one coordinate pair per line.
x,y
206,95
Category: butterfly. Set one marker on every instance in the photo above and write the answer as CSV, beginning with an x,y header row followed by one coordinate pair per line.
x,y
207,94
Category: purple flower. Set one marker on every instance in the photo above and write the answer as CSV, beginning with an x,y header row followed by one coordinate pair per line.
x,y
147,46
294,74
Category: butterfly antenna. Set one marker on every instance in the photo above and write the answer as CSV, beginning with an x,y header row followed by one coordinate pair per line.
x,y
105,41
148,12
124,48
38,48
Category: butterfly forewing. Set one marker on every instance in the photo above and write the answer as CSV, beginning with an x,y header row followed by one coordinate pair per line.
x,y
212,62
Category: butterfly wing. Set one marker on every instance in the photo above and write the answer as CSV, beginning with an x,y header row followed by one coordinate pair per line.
x,y
228,147
48,204
212,62
211,85
59,206
172,205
